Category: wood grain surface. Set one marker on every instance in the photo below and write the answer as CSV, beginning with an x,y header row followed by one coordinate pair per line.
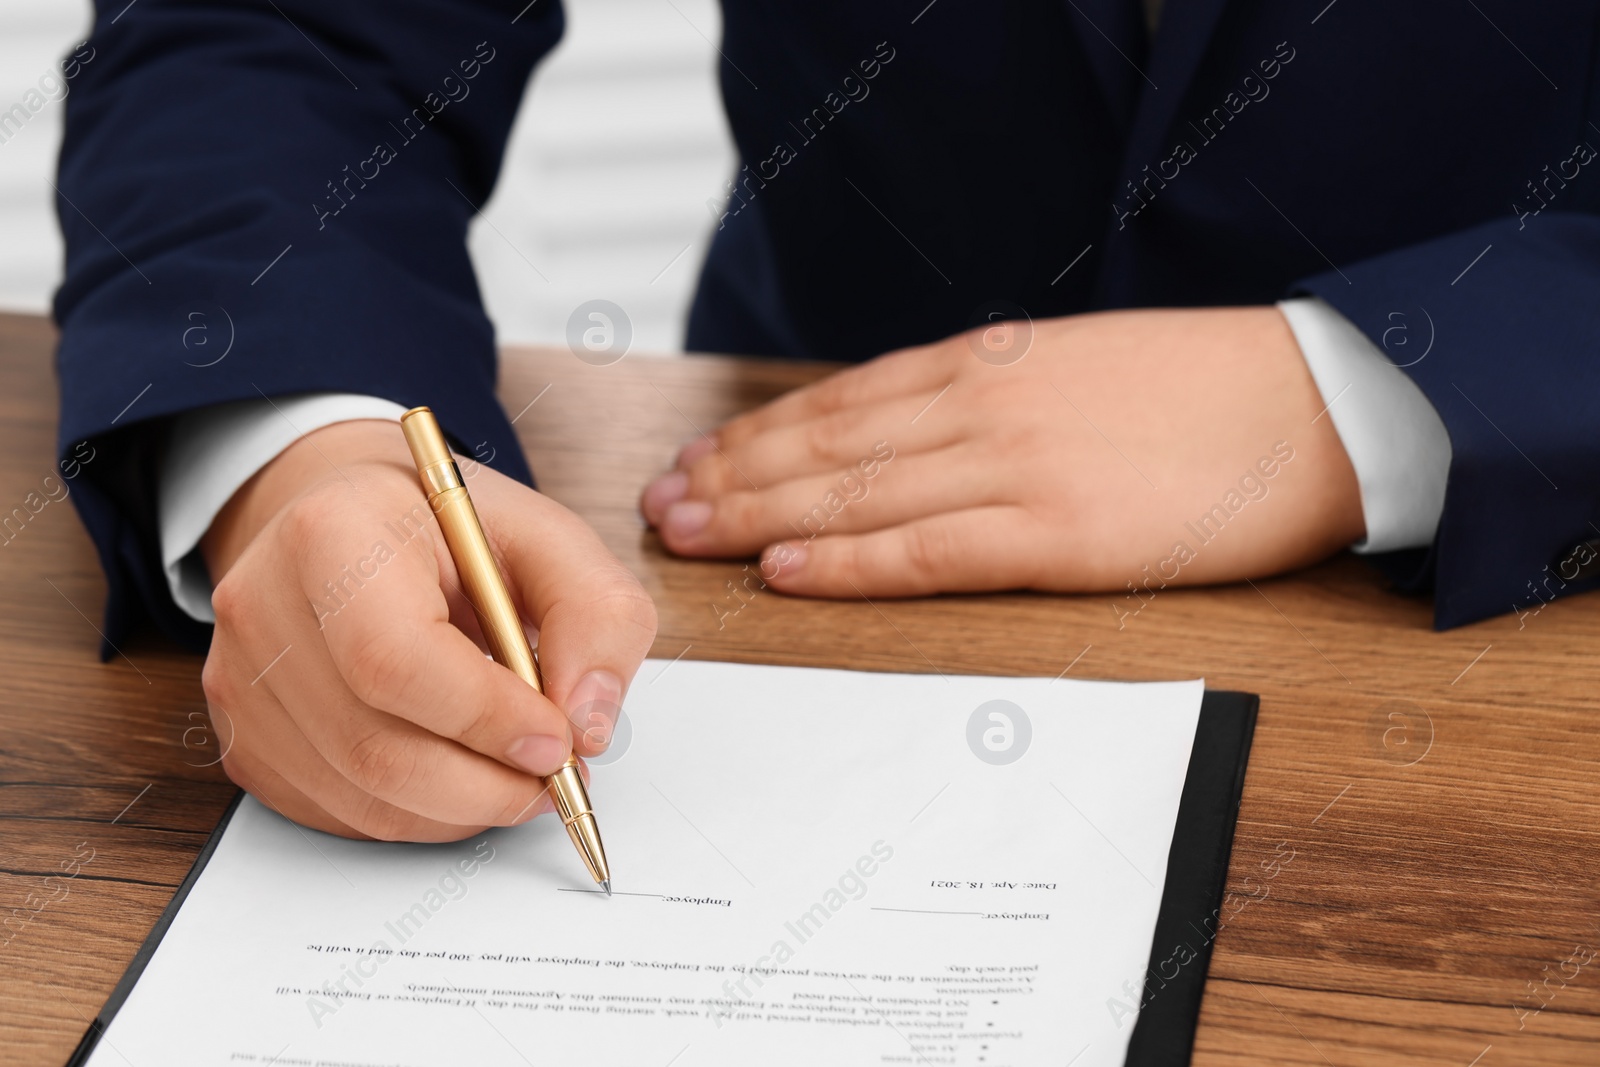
x,y
1416,874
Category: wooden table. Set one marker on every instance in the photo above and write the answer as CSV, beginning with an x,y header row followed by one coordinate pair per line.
x,y
1437,792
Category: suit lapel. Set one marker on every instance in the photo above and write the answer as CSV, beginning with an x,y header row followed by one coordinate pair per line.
x,y
1143,101
1180,43
1115,44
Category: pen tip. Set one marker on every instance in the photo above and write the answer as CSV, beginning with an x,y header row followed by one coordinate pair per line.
x,y
606,885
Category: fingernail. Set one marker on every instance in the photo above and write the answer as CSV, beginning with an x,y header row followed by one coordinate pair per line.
x,y
594,705
662,493
687,518
785,558
700,446
538,753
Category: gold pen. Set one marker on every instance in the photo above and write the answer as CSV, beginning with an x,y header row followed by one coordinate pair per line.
x,y
502,626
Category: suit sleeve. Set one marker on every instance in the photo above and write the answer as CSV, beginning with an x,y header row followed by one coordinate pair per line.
x,y
1499,326
268,197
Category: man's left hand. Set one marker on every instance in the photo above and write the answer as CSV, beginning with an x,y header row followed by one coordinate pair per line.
x,y
1069,455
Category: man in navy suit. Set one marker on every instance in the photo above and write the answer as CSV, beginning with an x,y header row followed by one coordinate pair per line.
x,y
1168,296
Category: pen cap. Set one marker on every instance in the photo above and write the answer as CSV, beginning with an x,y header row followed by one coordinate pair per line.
x,y
432,454
428,446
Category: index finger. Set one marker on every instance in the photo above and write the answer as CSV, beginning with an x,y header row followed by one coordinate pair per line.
x,y
396,649
896,374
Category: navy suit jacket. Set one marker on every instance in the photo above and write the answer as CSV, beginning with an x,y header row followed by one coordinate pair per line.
x,y
303,174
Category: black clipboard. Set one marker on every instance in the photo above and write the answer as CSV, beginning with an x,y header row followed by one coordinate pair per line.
x,y
1197,872
1191,898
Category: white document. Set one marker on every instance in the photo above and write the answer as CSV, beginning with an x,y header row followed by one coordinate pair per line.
x,y
812,866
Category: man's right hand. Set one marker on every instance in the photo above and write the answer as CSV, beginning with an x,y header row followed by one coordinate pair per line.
x,y
347,678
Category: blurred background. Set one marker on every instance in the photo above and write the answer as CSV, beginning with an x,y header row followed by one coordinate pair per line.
x,y
620,142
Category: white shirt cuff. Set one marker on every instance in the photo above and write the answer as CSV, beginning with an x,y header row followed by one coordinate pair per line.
x,y
214,451
1395,439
